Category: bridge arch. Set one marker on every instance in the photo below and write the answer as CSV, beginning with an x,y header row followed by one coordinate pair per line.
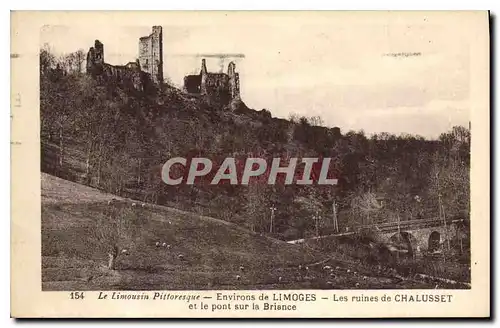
x,y
406,240
434,241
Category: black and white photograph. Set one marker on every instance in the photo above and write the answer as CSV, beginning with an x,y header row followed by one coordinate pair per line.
x,y
173,163
262,164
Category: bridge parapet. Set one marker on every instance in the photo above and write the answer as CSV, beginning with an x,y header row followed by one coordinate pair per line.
x,y
410,224
423,238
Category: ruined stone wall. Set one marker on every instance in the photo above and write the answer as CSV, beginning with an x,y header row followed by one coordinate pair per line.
x,y
203,80
125,77
234,81
192,83
145,59
95,58
99,52
151,54
128,76
217,83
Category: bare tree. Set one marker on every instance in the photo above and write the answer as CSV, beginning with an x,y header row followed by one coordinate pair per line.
x,y
450,174
108,233
113,230
256,205
79,59
309,208
316,121
294,118
367,205
47,59
73,62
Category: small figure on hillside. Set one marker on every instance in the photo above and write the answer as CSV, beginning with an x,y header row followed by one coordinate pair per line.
x,y
157,244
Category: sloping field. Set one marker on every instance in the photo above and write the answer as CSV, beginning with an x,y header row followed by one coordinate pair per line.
x,y
213,250
200,252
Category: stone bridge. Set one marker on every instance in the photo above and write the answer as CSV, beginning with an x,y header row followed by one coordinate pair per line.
x,y
414,236
418,236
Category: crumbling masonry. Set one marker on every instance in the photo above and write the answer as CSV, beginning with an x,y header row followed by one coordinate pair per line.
x,y
151,54
129,75
147,72
139,75
217,86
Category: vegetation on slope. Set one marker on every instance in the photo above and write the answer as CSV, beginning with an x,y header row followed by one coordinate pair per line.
x,y
117,140
199,252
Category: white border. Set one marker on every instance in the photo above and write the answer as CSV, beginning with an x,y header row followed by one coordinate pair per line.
x,y
186,5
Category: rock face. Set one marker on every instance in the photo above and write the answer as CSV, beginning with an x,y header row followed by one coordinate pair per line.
x,y
220,87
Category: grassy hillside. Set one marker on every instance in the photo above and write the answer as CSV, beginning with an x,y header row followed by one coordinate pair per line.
x,y
213,251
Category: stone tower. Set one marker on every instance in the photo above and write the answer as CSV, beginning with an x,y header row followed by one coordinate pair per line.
x,y
99,52
204,75
95,58
234,81
151,54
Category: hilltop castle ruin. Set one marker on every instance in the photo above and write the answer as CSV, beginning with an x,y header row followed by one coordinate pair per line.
x,y
129,75
218,86
147,71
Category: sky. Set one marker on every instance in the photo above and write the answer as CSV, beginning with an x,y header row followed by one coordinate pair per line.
x,y
350,75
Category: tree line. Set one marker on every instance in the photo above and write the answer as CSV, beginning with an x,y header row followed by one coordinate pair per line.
x,y
117,140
